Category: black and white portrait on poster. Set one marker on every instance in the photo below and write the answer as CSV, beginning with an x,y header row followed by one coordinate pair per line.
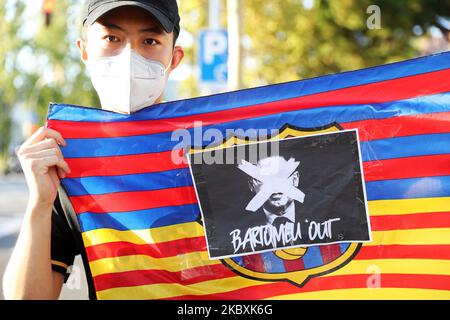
x,y
310,192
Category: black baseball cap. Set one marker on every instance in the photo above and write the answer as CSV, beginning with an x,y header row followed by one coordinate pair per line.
x,y
165,11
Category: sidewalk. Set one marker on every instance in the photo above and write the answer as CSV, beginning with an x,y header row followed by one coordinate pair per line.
x,y
13,201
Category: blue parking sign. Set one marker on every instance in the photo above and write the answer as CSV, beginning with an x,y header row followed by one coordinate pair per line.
x,y
214,56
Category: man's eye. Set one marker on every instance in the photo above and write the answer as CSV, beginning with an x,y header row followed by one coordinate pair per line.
x,y
112,39
150,42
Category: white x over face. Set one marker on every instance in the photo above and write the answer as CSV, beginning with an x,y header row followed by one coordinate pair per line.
x,y
274,182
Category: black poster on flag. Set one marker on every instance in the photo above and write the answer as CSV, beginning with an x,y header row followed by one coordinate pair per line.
x,y
308,191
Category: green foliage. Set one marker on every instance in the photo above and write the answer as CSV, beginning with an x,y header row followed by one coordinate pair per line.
x,y
9,26
61,76
194,17
290,40
57,73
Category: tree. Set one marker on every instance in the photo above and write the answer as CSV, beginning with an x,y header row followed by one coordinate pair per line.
x,y
57,74
194,17
61,77
10,22
293,39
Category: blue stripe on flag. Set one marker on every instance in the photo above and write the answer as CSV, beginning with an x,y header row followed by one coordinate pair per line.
x,y
139,220
427,187
403,147
127,183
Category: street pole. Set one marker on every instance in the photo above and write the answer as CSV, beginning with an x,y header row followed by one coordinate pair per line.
x,y
234,44
48,8
214,14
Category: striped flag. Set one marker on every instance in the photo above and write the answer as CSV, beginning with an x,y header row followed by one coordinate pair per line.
x,y
139,215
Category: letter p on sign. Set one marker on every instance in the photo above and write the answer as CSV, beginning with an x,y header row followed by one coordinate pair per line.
x,y
214,56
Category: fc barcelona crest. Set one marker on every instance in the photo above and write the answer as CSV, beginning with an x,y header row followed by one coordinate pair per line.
x,y
288,207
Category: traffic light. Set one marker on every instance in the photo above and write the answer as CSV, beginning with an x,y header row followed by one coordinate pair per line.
x,y
48,7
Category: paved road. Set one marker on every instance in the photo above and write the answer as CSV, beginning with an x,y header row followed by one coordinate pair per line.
x,y
13,200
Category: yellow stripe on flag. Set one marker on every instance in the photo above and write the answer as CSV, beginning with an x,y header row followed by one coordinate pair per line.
x,y
408,206
369,294
145,236
162,291
410,237
141,262
398,266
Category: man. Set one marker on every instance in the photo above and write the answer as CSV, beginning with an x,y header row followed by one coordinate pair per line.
x,y
275,181
129,49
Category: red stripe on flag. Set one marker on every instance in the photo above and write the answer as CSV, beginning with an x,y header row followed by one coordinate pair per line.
x,y
133,201
330,252
159,250
403,168
380,92
401,126
410,221
264,291
122,165
438,251
433,165
148,277
294,265
399,168
254,262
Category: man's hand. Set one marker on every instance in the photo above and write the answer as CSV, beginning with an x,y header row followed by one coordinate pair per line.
x,y
43,165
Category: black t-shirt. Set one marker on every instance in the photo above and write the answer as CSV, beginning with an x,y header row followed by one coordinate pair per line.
x,y
66,240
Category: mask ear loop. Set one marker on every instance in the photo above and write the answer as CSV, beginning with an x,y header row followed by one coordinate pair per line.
x,y
168,66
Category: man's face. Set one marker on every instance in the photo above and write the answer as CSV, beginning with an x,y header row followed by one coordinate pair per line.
x,y
277,202
131,27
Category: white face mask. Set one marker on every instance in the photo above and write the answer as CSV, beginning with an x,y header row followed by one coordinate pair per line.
x,y
127,82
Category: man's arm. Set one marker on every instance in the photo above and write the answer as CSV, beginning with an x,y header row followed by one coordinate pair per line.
x,y
29,273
